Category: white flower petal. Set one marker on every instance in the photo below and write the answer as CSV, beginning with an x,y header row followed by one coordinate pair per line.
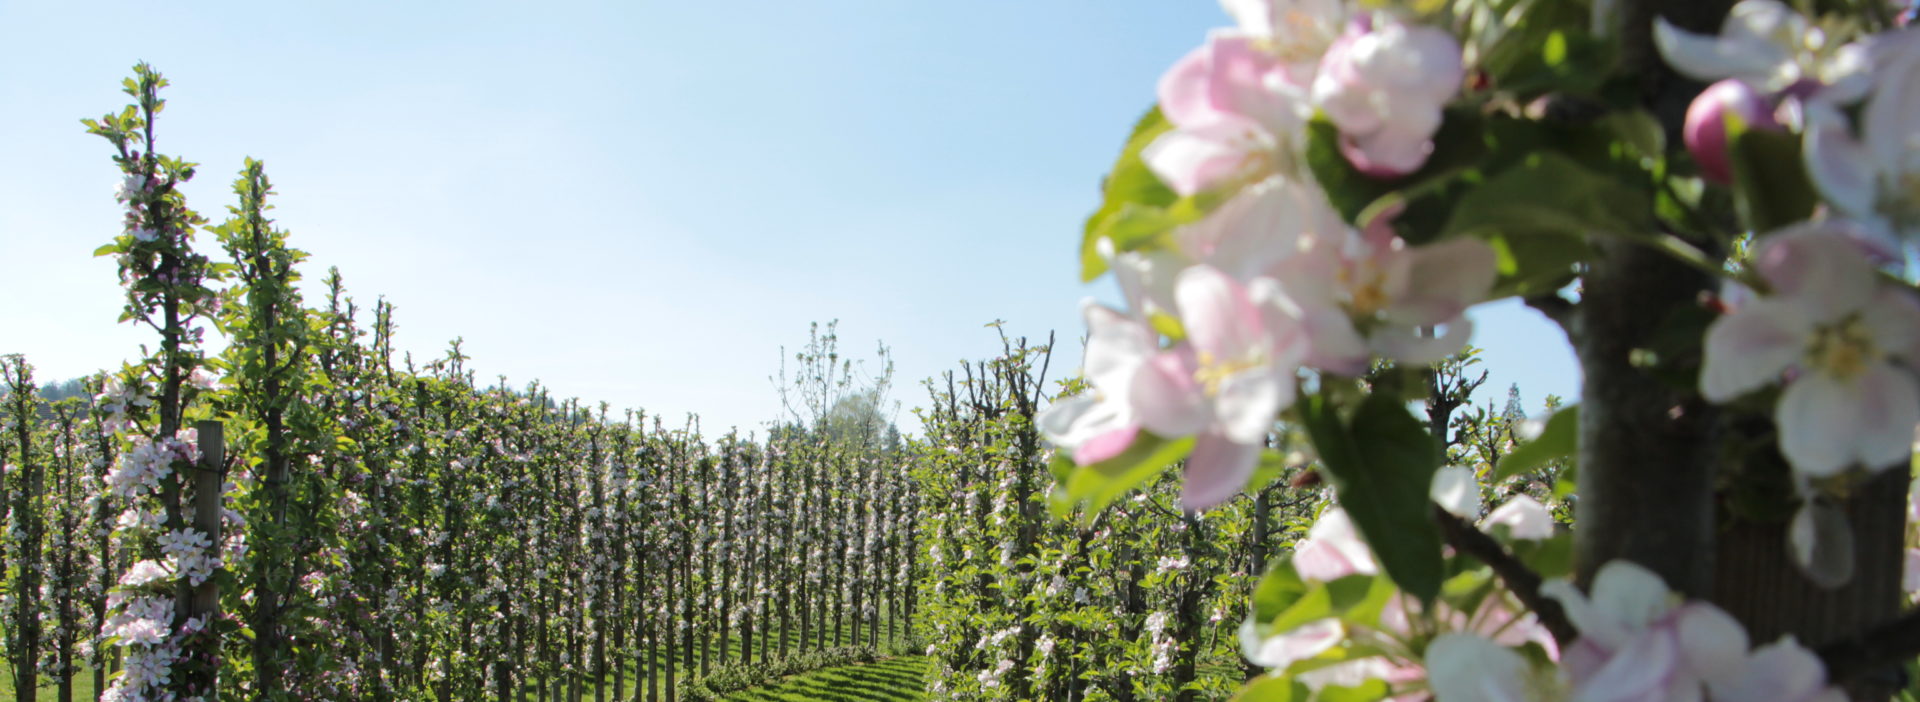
x,y
1456,490
1630,593
1468,668
1839,165
1780,671
1708,58
1821,542
1750,347
1712,641
1248,401
1638,670
1524,517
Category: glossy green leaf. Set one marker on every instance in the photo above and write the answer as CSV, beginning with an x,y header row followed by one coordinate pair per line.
x,y
1381,466
1771,187
1369,691
1537,214
1098,485
1130,182
1272,689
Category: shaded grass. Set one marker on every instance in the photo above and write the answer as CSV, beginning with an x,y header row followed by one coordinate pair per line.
x,y
899,679
82,686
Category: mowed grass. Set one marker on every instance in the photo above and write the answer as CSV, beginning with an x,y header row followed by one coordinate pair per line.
x,y
82,686
899,679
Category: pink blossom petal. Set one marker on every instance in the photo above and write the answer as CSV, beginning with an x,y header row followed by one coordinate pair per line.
x,y
1705,131
1443,279
1217,470
1192,160
1106,445
1638,670
1249,400
1751,347
1286,648
1219,316
1333,550
1166,398
1408,345
1238,81
1184,89
1385,153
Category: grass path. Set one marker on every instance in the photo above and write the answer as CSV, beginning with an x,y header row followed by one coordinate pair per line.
x,y
892,680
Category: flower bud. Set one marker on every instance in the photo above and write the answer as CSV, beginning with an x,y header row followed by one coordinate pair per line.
x,y
1705,130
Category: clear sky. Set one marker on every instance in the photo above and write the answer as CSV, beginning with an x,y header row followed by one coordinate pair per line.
x,y
636,202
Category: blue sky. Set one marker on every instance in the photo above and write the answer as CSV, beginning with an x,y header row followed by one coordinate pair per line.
x,y
635,202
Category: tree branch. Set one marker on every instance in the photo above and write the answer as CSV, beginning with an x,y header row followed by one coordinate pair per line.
x,y
1525,584
1874,652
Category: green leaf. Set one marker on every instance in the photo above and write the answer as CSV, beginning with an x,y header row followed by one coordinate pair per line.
x,y
1381,465
1771,187
1098,485
1369,691
1272,689
1458,145
109,249
1537,213
1560,438
1130,181
1277,591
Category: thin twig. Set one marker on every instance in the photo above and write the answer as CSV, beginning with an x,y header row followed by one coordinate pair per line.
x,y
1525,584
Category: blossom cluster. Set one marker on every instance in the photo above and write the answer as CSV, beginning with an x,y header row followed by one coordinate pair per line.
x,y
1273,281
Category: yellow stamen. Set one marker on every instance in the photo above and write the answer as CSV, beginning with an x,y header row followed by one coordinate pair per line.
x,y
1843,350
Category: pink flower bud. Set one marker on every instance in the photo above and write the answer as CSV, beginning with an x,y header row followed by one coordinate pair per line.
x,y
1705,130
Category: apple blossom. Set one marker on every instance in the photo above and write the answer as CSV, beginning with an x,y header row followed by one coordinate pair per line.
x,y
1638,642
1471,668
1769,46
1100,423
1232,116
1297,32
1333,549
1874,178
1841,332
1226,383
1374,294
1383,84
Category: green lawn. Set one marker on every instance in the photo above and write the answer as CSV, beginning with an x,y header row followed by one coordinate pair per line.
x,y
82,687
892,680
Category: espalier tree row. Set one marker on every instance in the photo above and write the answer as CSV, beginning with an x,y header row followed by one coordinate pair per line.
x,y
1044,586
308,516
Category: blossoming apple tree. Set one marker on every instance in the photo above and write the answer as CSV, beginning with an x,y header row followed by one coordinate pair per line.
x,y
1324,189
